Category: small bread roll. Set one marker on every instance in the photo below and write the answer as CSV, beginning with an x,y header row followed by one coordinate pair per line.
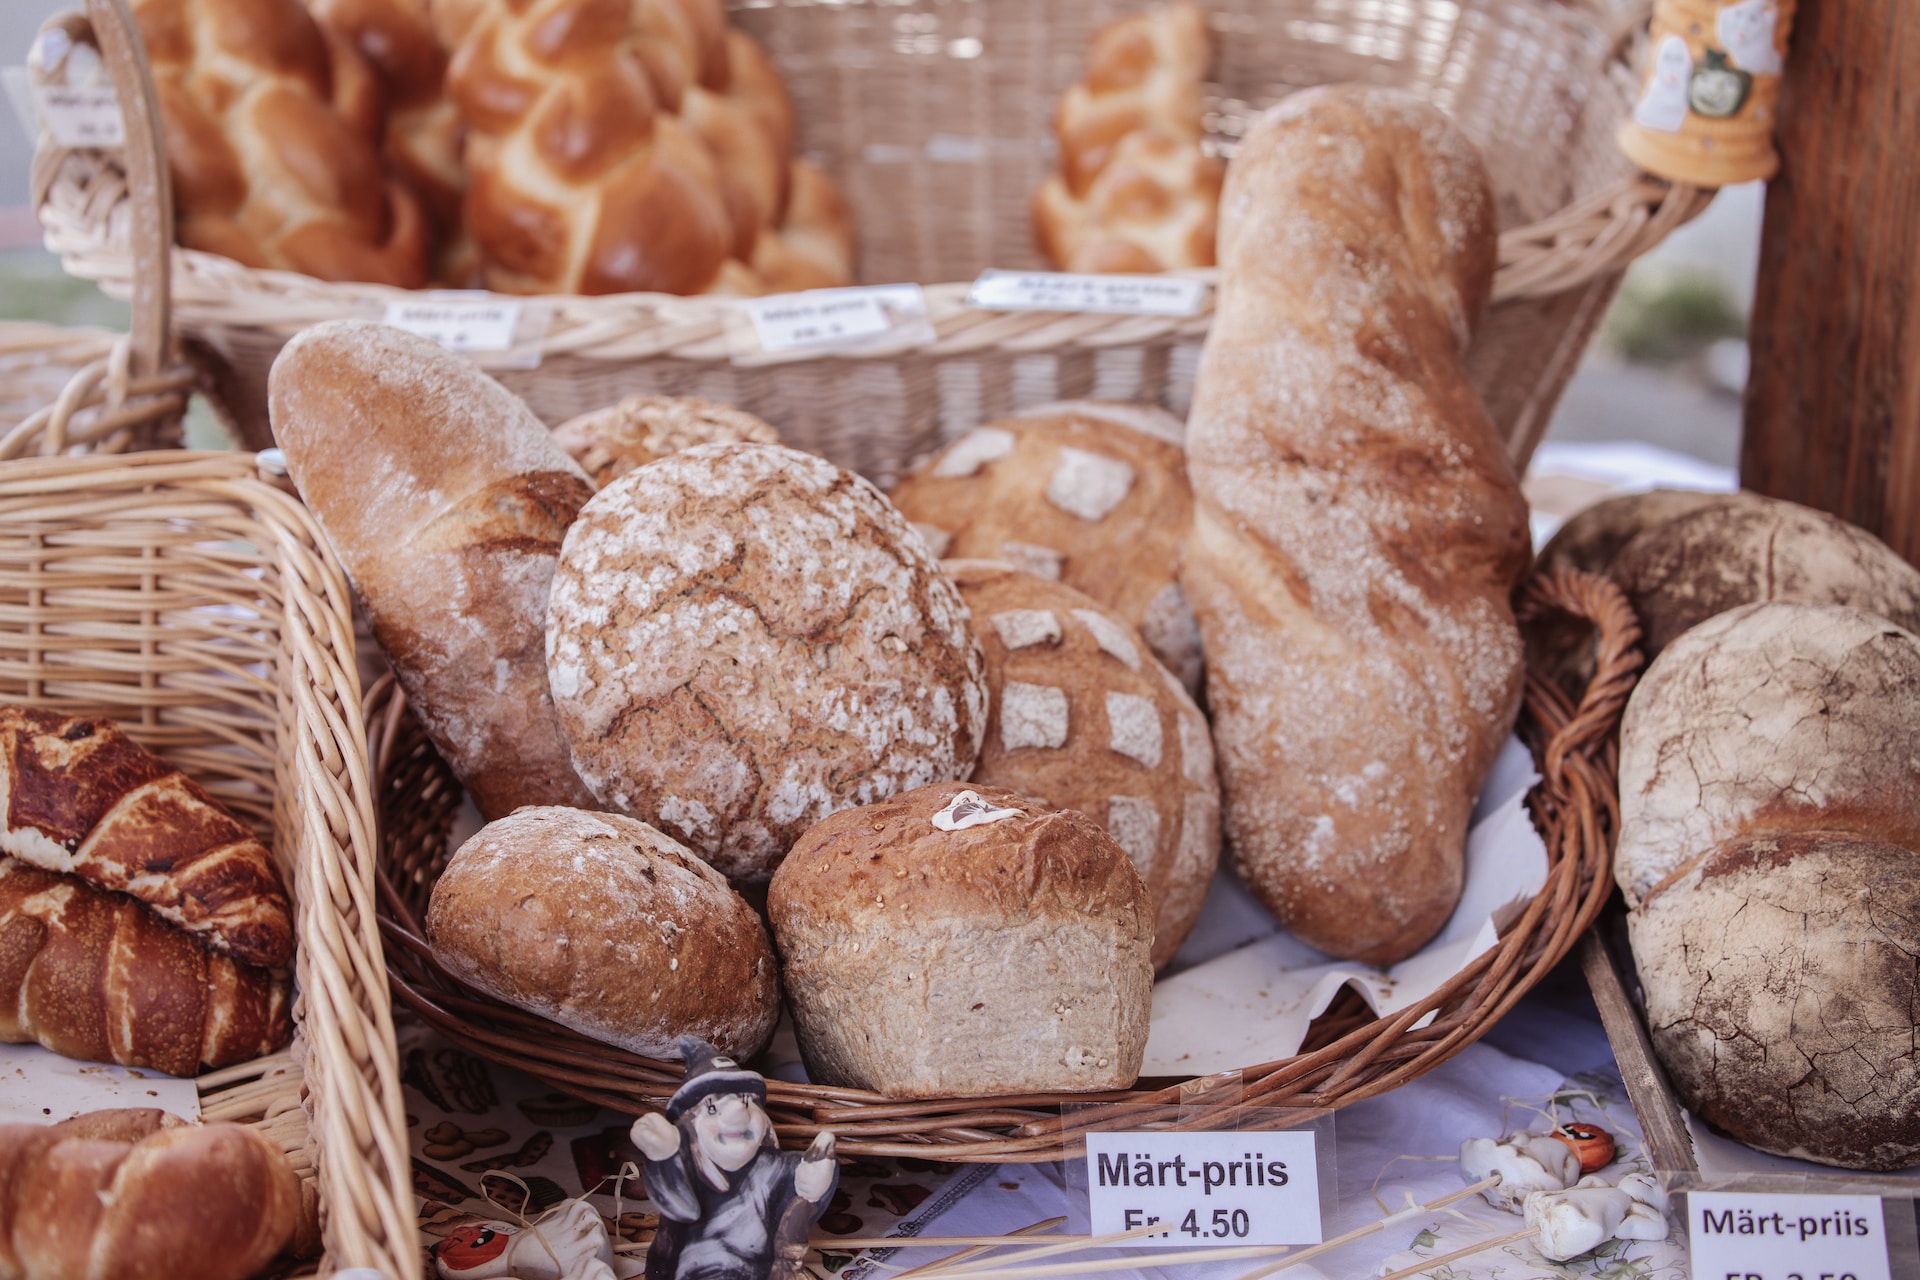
x,y
743,639
1084,718
935,948
1092,495
610,442
602,924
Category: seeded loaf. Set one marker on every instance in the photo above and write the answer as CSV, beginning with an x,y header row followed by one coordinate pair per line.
x,y
1358,528
610,442
1093,495
1083,717
1008,956
744,639
605,925
446,500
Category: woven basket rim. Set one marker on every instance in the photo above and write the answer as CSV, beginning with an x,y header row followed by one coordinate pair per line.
x,y
349,1072
1353,1056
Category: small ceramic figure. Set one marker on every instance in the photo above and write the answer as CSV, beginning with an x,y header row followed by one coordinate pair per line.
x,y
1526,1162
1588,1214
733,1206
1590,1142
569,1244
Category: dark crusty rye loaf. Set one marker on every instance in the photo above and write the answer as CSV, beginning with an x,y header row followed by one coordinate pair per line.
x,y
1358,527
1012,956
80,796
1084,717
446,500
605,925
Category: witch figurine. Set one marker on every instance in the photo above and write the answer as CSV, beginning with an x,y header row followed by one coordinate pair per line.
x,y
733,1206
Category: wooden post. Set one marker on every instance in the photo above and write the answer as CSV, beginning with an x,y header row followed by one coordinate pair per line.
x,y
1833,403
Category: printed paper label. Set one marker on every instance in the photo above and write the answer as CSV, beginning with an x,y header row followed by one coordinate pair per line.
x,y
1223,1188
817,317
1108,295
1737,1235
80,115
458,321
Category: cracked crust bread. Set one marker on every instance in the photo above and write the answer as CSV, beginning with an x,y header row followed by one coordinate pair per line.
x,y
610,442
1358,528
1770,849
602,924
1083,717
744,639
1008,957
1093,495
445,499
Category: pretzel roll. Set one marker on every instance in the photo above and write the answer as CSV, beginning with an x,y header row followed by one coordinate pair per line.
x,y
272,134
1357,523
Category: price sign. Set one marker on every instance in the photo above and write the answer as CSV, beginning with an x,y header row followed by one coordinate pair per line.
x,y
85,115
1737,1235
1110,295
458,320
817,317
1222,1188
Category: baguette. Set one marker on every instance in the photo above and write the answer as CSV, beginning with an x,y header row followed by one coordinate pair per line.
x,y
1357,524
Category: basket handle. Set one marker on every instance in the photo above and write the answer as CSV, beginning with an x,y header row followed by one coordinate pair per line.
x,y
108,27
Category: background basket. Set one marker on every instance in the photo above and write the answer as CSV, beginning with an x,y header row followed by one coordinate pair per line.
x,y
933,115
197,605
1349,1053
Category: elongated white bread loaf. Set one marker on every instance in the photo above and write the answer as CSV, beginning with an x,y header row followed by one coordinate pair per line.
x,y
1357,524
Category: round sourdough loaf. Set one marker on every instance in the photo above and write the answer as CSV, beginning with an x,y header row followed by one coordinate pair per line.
x,y
1005,950
603,924
743,639
1083,717
1093,495
610,442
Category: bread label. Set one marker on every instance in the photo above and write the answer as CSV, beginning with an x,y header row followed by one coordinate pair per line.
x,y
459,320
968,810
1750,1236
1102,294
86,115
819,317
1219,1189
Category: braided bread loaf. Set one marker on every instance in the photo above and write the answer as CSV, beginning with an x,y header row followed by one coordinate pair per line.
x,y
1357,523
96,975
1135,192
272,130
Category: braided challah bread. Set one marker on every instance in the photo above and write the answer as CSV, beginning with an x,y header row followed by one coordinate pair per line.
x,y
273,129
1135,192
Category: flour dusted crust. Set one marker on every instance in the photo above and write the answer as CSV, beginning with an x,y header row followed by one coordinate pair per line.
x,y
610,442
605,925
1094,495
744,639
446,500
1357,524
1083,717
1008,957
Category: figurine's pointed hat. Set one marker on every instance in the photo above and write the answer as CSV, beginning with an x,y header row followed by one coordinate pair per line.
x,y
710,1072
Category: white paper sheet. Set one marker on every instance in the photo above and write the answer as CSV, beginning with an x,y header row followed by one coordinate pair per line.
x,y
1248,1002
38,1086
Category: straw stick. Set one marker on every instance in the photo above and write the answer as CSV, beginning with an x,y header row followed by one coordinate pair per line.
x,y
1096,1265
1068,1244
945,1242
966,1254
1471,1189
1445,1258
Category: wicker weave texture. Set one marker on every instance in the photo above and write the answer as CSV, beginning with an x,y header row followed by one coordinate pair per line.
x,y
1349,1053
933,114
196,604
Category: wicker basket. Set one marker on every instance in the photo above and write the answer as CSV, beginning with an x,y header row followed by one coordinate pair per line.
x,y
933,115
1349,1053
197,604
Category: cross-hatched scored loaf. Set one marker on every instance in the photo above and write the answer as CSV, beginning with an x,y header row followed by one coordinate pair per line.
x,y
744,639
1082,717
1093,495
95,975
273,133
78,795
136,1193
446,500
1007,957
1357,524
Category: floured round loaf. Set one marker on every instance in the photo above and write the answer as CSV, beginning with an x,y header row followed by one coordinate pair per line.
x,y
1083,717
1771,718
610,442
1782,996
744,639
1594,535
1008,956
605,925
1093,495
